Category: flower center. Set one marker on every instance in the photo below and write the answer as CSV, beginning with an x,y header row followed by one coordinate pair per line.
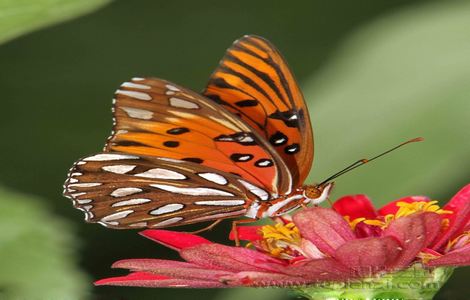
x,y
404,209
281,240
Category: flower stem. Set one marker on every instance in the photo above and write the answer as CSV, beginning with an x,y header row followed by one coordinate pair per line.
x,y
414,283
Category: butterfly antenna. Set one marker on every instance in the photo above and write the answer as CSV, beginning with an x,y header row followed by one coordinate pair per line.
x,y
367,160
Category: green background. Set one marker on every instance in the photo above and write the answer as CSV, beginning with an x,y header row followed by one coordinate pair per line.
x,y
374,73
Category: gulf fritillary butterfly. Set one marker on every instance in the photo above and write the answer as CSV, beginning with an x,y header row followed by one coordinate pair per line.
x,y
241,148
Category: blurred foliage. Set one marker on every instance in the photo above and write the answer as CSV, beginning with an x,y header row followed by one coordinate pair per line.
x,y
18,17
37,252
404,74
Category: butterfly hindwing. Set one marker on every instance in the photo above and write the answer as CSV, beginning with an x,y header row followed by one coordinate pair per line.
x,y
121,190
254,81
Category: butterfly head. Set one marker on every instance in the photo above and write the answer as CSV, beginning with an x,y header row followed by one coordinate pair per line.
x,y
316,194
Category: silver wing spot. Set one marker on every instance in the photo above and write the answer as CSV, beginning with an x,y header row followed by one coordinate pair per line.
x,y
159,173
167,209
192,191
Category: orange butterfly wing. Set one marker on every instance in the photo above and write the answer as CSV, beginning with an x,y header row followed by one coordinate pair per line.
x,y
154,117
254,82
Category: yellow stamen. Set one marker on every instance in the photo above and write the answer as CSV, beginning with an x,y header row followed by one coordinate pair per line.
x,y
406,209
426,257
280,240
459,241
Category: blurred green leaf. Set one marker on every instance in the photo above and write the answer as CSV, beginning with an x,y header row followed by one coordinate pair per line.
x,y
18,17
403,76
35,252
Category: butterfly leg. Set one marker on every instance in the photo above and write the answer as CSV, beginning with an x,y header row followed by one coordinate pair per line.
x,y
235,229
212,225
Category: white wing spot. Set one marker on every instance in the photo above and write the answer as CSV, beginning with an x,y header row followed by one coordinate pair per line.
x,y
117,216
84,201
138,113
87,207
81,163
140,224
192,191
170,93
135,201
165,209
262,194
135,95
159,173
137,79
168,222
121,131
109,156
119,169
136,86
214,177
88,184
172,87
73,180
221,202
244,158
121,192
106,224
76,174
177,102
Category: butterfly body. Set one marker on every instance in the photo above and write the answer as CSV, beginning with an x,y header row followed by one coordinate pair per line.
x,y
241,148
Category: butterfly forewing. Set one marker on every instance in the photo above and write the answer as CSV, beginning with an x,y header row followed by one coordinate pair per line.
x,y
120,190
154,117
254,81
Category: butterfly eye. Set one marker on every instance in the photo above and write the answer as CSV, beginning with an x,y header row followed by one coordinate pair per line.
x,y
312,192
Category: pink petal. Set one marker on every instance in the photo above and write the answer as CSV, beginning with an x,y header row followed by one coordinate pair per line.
x,y
355,206
364,230
369,255
144,279
235,259
325,228
173,269
414,232
173,239
460,205
392,208
323,269
263,279
247,233
458,257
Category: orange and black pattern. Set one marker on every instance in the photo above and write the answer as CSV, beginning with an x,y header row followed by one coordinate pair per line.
x,y
254,82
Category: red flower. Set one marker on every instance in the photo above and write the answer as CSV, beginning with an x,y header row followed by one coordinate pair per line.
x,y
348,241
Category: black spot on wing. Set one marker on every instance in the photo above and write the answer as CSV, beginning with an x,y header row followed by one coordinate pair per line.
x,y
246,103
289,117
171,144
292,149
242,138
193,159
241,157
278,139
176,131
264,163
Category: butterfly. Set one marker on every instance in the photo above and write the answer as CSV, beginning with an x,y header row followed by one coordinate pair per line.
x,y
243,147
